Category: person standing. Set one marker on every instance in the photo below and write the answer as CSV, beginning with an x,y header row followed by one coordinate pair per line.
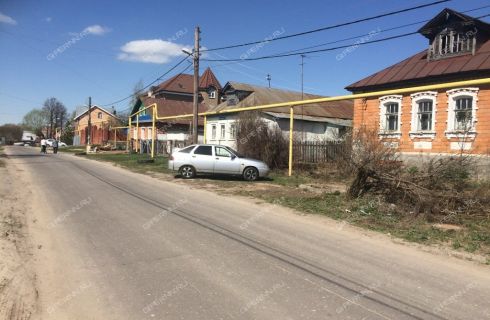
x,y
43,145
55,146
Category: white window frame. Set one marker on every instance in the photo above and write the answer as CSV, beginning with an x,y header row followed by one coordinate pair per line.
x,y
212,94
213,131
452,95
383,101
222,131
232,131
414,129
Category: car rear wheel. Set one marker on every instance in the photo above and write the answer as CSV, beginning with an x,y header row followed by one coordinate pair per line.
x,y
250,174
187,172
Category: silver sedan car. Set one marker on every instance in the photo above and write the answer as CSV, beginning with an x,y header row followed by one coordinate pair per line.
x,y
215,159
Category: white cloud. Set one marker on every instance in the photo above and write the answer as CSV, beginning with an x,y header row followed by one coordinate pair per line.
x,y
6,19
96,30
151,51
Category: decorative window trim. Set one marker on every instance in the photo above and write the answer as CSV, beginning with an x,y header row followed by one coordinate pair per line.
x,y
383,133
233,131
222,131
452,95
416,98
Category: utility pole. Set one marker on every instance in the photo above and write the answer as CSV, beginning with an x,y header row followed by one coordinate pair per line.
x,y
269,79
195,120
302,75
302,93
89,136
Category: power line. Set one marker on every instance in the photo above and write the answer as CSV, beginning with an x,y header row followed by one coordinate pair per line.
x,y
147,86
184,70
288,54
381,31
293,53
330,27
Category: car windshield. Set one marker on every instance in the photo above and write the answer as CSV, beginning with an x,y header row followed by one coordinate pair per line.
x,y
239,155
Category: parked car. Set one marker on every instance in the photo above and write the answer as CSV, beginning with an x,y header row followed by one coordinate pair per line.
x,y
215,159
60,144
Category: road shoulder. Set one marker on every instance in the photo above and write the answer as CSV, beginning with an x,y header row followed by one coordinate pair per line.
x,y
18,284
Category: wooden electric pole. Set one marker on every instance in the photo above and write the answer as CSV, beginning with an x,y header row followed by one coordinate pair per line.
x,y
195,120
302,95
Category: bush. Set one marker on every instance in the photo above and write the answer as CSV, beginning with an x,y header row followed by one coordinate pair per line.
x,y
11,132
442,186
260,140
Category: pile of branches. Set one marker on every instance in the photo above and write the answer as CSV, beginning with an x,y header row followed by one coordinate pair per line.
x,y
441,186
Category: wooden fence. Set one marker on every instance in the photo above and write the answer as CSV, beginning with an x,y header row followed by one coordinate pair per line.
x,y
318,151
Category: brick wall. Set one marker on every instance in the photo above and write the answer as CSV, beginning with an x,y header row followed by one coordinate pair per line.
x,y
367,114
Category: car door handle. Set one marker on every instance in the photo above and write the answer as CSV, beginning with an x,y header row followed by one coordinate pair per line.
x,y
193,156
217,158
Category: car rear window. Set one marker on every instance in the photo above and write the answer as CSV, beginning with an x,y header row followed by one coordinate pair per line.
x,y
187,149
204,150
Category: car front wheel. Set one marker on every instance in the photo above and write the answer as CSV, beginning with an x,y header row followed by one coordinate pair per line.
x,y
250,174
187,172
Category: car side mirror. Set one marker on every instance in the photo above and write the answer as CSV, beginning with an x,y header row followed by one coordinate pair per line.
x,y
233,157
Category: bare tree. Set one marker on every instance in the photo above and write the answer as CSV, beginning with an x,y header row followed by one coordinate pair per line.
x,y
137,91
257,139
56,114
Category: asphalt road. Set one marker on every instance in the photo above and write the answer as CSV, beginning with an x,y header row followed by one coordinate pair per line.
x,y
114,244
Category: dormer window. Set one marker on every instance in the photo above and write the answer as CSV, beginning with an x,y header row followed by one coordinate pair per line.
x,y
450,43
212,94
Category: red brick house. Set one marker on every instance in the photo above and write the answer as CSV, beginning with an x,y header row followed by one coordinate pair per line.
x,y
437,121
174,97
101,121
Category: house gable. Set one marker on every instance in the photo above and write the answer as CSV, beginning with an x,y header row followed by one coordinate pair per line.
x,y
458,49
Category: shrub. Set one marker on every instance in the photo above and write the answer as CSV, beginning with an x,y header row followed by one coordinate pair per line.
x,y
442,186
259,139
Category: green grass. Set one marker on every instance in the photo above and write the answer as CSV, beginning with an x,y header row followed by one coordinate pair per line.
x,y
130,161
370,214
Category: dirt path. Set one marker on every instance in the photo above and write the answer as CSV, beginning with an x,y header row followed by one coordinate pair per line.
x,y
18,292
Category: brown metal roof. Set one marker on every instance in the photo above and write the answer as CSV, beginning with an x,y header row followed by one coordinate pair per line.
x,y
418,68
168,107
182,83
208,79
262,95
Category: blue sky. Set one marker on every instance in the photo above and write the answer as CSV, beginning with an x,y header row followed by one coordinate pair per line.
x,y
110,45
